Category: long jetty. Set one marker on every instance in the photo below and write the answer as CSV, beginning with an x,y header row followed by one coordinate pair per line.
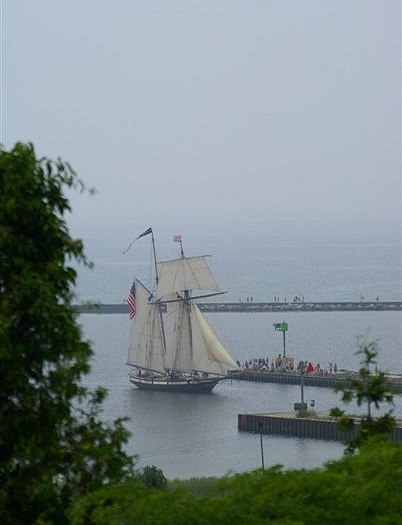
x,y
309,379
252,307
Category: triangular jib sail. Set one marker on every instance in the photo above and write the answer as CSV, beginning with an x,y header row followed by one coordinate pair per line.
x,y
210,342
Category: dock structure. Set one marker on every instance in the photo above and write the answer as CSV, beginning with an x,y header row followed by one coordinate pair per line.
x,y
305,306
289,425
292,378
251,307
309,379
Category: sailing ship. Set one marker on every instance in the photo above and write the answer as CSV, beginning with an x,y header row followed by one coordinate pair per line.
x,y
172,347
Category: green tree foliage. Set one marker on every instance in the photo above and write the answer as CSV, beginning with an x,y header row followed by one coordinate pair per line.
x,y
153,477
53,444
369,388
359,489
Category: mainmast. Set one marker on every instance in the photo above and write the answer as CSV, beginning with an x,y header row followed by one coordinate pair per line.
x,y
186,311
155,263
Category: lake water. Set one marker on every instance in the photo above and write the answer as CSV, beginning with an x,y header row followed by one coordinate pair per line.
x,y
196,435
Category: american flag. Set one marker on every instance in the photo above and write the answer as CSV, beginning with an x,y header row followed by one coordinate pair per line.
x,y
176,238
131,301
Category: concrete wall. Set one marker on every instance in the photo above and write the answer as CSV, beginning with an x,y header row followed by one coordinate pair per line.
x,y
299,427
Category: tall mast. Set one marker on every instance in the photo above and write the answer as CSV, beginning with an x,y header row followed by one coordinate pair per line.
x,y
154,252
181,247
186,292
162,324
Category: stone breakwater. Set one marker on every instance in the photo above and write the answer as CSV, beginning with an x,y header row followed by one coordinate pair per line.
x,y
251,307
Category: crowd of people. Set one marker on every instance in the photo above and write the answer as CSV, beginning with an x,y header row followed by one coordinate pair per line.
x,y
285,364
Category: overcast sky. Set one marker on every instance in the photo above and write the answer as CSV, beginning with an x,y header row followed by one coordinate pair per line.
x,y
222,108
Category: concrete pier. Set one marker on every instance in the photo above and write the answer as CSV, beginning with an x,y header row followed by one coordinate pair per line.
x,y
309,379
251,307
321,427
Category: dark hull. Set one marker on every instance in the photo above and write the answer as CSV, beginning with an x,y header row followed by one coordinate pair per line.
x,y
200,386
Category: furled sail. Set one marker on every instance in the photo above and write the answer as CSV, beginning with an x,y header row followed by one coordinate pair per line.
x,y
187,273
146,349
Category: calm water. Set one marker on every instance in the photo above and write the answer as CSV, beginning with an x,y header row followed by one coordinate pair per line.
x,y
254,259
196,435
193,435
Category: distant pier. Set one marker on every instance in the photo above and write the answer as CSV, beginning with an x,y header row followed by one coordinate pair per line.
x,y
251,307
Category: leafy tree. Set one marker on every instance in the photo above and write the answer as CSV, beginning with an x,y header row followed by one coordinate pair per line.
x,y
153,477
370,388
53,444
359,489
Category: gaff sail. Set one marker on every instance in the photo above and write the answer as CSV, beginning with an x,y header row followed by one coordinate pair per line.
x,y
146,348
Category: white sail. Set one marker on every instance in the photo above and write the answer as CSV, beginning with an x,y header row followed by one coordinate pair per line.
x,y
191,344
214,349
187,273
179,349
146,349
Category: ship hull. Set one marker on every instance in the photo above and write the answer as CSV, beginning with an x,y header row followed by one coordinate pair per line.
x,y
191,386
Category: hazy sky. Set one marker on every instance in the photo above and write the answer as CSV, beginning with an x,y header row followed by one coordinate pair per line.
x,y
206,108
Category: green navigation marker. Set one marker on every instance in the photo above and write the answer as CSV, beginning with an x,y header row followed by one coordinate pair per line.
x,y
282,327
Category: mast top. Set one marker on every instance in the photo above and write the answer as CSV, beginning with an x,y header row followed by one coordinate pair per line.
x,y
178,238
